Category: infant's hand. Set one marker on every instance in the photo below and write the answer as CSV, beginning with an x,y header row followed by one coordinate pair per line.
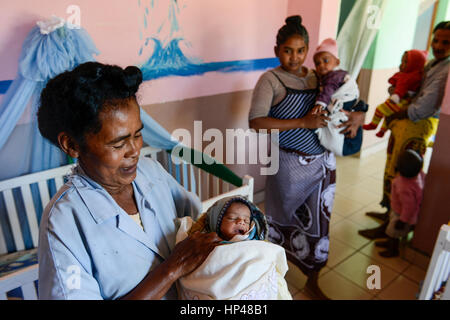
x,y
316,118
316,110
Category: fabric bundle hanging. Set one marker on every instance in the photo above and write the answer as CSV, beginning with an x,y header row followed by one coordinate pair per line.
x,y
51,48
357,34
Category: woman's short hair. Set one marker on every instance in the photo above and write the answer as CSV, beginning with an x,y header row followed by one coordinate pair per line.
x,y
409,163
71,101
292,27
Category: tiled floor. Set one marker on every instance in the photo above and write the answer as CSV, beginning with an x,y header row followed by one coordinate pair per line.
x,y
358,190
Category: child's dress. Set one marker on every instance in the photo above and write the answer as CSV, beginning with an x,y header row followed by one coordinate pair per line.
x,y
237,270
406,197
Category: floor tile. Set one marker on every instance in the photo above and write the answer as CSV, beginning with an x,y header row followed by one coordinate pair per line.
x,y
347,178
373,207
400,289
396,263
360,195
414,273
365,222
347,232
355,269
335,217
378,174
339,251
370,184
337,287
345,207
324,271
296,279
421,261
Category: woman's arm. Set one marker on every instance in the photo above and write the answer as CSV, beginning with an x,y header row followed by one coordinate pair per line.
x,y
185,258
402,114
262,99
312,120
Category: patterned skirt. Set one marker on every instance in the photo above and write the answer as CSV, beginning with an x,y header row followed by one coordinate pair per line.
x,y
298,202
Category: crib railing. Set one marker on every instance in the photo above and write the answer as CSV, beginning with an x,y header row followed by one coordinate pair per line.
x,y
24,198
439,268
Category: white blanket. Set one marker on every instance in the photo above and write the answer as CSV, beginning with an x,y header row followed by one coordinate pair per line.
x,y
248,270
330,136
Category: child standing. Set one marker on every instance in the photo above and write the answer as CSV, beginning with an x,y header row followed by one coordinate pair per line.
x,y
406,197
404,84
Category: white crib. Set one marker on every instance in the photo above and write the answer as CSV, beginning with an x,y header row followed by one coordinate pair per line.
x,y
439,267
208,187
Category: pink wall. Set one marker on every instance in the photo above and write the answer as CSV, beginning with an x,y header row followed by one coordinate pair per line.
x,y
214,30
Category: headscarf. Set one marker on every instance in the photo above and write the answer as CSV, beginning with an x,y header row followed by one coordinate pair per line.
x,y
415,60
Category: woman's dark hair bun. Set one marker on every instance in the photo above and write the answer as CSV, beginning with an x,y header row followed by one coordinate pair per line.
x,y
295,20
292,27
72,101
133,78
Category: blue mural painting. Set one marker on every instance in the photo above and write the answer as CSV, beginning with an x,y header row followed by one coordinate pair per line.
x,y
4,85
167,58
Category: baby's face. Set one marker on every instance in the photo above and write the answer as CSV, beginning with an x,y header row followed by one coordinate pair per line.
x,y
325,62
235,221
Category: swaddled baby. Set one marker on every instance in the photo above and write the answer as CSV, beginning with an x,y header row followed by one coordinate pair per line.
x,y
238,269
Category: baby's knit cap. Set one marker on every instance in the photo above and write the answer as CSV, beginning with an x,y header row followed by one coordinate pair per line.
x,y
328,45
215,214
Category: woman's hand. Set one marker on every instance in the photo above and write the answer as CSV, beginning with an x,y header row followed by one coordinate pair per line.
x,y
191,252
402,114
315,118
355,120
186,256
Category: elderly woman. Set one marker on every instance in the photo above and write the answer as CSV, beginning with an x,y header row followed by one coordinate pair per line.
x,y
109,232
